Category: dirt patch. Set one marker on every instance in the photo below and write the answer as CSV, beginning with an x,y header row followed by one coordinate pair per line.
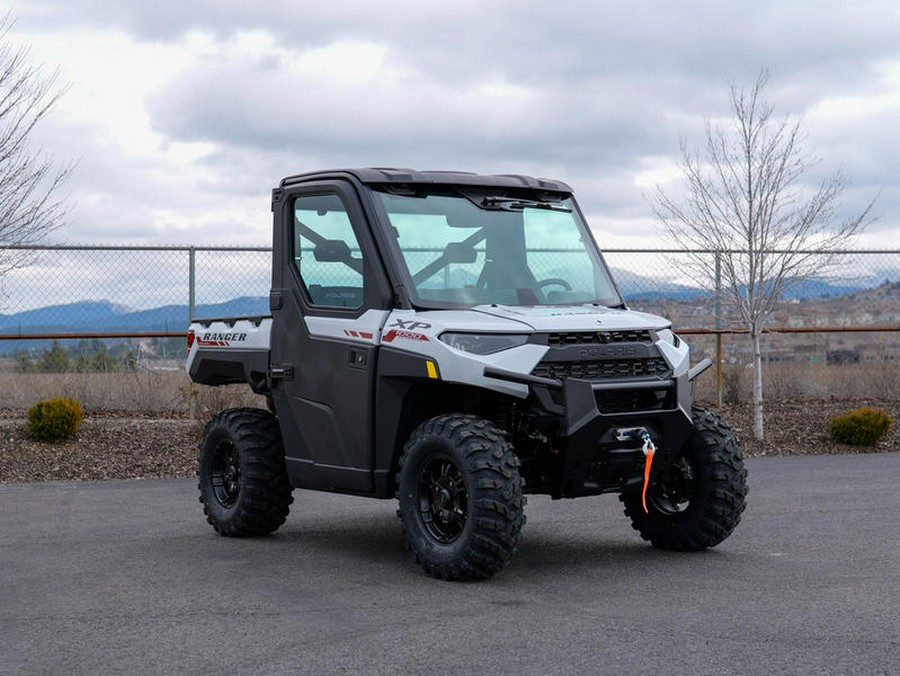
x,y
125,446
800,427
106,447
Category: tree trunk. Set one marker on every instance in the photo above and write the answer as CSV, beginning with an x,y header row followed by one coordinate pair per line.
x,y
757,384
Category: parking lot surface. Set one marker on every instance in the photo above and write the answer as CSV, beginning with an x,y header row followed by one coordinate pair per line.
x,y
126,577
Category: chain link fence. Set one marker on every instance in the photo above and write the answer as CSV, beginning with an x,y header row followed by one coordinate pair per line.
x,y
68,289
98,288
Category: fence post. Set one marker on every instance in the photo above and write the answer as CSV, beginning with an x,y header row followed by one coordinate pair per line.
x,y
192,281
718,255
719,369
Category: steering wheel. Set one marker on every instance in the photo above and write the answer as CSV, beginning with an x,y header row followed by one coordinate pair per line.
x,y
550,281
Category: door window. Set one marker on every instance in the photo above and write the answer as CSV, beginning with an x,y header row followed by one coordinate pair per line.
x,y
327,254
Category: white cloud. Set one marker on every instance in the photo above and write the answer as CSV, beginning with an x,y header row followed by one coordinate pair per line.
x,y
183,116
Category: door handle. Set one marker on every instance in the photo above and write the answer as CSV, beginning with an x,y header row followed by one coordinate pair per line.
x,y
281,373
358,359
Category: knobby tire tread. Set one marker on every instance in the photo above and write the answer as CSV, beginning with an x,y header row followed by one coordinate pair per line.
x,y
712,516
496,501
265,491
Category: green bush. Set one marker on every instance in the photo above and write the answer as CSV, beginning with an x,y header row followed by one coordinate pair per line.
x,y
57,418
860,427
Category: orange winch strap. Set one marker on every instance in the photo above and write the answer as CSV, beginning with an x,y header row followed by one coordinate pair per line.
x,y
649,452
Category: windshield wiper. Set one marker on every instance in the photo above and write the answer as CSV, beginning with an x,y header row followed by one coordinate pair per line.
x,y
517,204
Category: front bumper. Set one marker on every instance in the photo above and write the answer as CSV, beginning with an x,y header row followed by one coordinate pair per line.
x,y
597,451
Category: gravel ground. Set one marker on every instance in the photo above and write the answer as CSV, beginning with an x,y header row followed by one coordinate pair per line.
x,y
116,446
107,446
800,427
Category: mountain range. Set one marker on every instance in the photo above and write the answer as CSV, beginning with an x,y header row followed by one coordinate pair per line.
x,y
105,316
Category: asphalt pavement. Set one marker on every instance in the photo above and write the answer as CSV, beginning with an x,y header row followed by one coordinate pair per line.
x,y
126,577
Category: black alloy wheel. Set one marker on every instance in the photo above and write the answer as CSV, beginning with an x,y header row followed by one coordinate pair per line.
x,y
673,491
226,473
443,498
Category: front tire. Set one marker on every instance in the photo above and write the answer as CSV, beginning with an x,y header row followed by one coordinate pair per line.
x,y
244,485
696,502
460,497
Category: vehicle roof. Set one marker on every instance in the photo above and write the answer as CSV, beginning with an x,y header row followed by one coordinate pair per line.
x,y
398,176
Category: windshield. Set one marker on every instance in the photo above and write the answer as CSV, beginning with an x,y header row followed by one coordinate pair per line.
x,y
465,250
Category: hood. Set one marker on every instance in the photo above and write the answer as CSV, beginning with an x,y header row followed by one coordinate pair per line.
x,y
575,317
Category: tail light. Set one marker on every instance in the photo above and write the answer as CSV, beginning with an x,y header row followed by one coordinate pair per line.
x,y
190,337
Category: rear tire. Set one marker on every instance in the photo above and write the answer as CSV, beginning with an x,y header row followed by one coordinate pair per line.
x,y
244,485
697,502
460,497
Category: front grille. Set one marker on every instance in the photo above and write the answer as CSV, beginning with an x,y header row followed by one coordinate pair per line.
x,y
633,401
598,337
598,369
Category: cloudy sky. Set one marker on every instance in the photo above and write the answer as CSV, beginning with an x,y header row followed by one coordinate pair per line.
x,y
183,115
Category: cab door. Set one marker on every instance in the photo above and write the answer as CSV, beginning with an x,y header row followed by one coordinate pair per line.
x,y
330,299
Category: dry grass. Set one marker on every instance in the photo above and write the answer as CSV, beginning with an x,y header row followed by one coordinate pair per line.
x,y
169,393
803,380
142,392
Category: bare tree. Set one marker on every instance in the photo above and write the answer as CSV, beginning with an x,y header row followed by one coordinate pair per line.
x,y
747,202
30,206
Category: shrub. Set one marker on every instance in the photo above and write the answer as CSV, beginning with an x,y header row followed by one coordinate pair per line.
x,y
57,418
860,427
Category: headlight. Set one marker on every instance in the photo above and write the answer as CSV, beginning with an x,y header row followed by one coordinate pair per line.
x,y
667,336
479,343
